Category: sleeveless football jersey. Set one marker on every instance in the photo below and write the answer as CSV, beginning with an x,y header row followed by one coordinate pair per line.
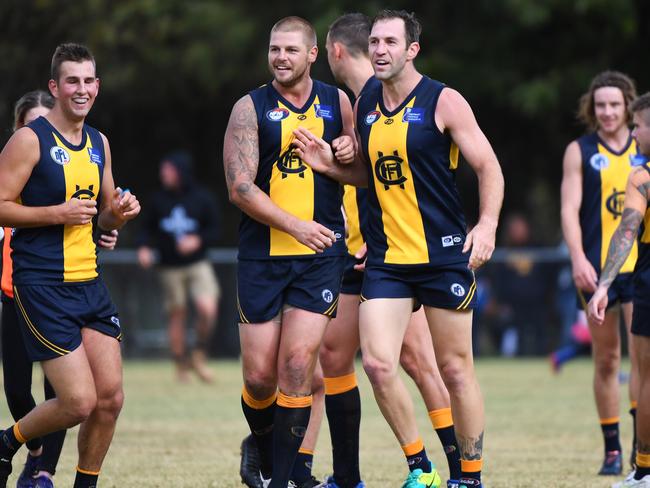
x,y
604,177
414,212
59,253
291,184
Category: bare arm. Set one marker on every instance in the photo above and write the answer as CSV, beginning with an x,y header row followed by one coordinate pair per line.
x,y
328,160
454,114
636,204
584,274
241,160
117,207
17,161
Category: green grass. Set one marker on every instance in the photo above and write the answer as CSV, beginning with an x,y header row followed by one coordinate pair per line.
x,y
542,430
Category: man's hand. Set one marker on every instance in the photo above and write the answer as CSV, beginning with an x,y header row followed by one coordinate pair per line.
x,y
584,274
124,205
481,241
108,240
361,254
188,244
145,257
313,150
77,211
344,149
313,235
597,306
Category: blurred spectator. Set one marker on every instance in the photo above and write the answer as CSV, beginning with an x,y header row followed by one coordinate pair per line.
x,y
180,222
520,287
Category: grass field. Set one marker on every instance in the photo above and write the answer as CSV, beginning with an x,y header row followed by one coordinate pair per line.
x,y
542,430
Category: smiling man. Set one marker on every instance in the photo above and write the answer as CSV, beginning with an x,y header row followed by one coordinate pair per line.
x,y
411,129
291,247
596,167
59,168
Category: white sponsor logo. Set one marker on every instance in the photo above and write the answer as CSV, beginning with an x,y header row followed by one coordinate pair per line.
x,y
115,320
599,162
59,155
327,295
458,290
451,240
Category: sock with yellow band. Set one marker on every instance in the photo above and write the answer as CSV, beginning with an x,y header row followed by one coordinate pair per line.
x,y
85,478
611,436
444,426
11,440
416,456
343,408
642,466
260,415
290,425
301,471
471,472
633,405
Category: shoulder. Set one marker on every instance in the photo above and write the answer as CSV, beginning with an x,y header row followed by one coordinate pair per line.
x,y
243,112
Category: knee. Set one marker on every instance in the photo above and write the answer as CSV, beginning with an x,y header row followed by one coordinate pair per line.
x,y
110,403
379,370
296,370
334,362
260,384
78,407
607,364
457,375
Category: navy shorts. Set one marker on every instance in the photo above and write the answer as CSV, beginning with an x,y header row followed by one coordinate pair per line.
x,y
641,318
52,316
620,291
352,279
450,286
264,286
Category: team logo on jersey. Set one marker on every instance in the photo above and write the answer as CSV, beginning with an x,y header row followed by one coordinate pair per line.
x,y
302,117
388,170
388,121
290,164
615,203
277,114
115,320
327,295
599,162
372,117
324,111
638,159
413,115
95,156
338,235
451,240
457,289
83,193
59,155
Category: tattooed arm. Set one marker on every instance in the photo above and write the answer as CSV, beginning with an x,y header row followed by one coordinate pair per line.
x,y
240,160
636,204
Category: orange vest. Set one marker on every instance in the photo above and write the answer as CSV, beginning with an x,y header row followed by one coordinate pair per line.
x,y
7,285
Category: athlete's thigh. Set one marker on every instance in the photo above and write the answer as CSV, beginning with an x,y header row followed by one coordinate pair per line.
x,y
382,323
341,341
451,332
105,359
606,337
418,345
302,331
259,344
70,375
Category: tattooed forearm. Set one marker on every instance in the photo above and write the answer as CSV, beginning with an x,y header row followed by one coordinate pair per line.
x,y
241,149
644,189
471,448
621,245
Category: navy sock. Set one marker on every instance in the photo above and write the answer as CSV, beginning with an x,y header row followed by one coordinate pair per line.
x,y
611,436
260,415
344,417
301,471
85,479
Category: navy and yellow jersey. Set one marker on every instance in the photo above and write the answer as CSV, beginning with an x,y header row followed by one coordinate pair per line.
x,y
59,253
414,213
604,177
355,207
642,268
291,184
